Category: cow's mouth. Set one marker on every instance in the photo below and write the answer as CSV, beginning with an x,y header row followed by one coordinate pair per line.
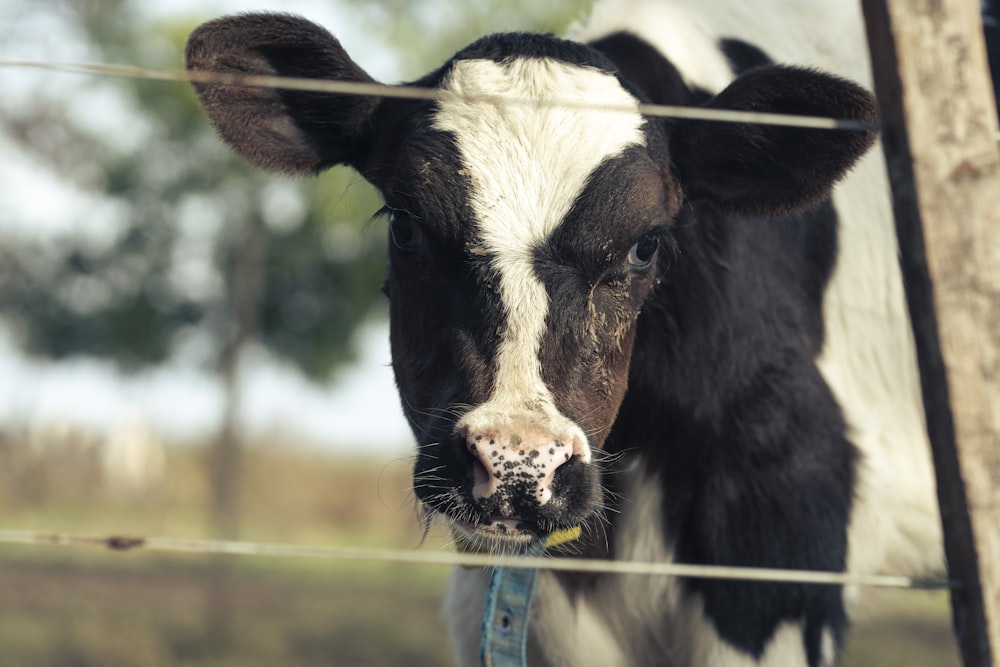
x,y
503,526
501,534
508,536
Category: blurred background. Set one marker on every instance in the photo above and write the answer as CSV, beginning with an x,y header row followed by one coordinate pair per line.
x,y
189,348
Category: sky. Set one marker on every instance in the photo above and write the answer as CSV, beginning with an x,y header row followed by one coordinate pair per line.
x,y
360,411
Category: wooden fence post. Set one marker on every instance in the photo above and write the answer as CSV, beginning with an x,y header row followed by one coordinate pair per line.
x,y
940,139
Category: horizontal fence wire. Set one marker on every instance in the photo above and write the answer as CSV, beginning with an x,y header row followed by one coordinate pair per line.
x,y
597,566
433,94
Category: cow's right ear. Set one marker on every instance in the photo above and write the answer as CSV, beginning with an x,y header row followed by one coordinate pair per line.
x,y
282,130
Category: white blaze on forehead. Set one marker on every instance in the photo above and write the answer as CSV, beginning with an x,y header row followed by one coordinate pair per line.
x,y
527,164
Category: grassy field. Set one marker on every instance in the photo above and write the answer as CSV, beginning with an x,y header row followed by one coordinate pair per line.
x,y
73,608
143,611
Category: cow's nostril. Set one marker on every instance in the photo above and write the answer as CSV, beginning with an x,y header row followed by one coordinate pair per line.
x,y
480,475
484,476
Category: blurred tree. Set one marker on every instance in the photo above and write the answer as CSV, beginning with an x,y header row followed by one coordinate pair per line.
x,y
182,205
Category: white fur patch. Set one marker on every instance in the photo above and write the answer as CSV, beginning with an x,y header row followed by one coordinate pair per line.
x,y
570,631
527,165
828,649
784,649
464,605
681,33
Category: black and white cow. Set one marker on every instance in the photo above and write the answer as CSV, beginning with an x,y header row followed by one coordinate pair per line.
x,y
668,332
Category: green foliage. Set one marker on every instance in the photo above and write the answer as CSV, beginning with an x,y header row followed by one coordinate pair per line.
x,y
315,294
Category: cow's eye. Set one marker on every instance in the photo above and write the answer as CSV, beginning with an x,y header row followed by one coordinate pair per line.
x,y
643,253
405,233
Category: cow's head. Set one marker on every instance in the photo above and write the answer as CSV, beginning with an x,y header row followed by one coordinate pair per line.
x,y
524,238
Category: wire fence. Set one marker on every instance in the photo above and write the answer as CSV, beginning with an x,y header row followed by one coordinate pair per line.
x,y
399,91
432,94
254,549
269,550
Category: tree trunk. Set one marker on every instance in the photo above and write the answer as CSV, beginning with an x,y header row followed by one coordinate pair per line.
x,y
225,456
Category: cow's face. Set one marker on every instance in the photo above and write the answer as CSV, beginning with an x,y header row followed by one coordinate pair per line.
x,y
523,242
525,238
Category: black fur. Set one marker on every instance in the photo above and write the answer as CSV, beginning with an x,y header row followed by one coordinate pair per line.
x,y
747,423
743,56
747,439
724,162
991,28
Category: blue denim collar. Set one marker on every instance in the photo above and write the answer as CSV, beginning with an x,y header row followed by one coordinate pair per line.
x,y
508,607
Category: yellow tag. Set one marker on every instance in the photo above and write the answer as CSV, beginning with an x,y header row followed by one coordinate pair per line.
x,y
464,545
562,536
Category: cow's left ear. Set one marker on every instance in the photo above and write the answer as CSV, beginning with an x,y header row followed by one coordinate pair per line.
x,y
769,169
